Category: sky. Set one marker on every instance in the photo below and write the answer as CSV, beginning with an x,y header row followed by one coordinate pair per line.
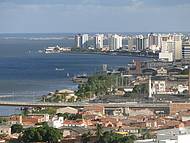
x,y
68,16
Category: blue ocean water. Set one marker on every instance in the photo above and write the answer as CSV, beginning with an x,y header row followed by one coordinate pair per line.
x,y
26,74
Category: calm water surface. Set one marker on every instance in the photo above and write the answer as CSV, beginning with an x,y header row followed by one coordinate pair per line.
x,y
26,74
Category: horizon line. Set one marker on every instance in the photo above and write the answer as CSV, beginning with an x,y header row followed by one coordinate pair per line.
x,y
91,32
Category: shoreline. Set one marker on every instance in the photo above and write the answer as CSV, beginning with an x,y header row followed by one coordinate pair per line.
x,y
129,54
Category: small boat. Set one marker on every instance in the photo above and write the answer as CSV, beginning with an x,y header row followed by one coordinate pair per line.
x,y
59,69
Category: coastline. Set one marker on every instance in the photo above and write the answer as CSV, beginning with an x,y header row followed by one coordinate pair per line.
x,y
110,53
69,63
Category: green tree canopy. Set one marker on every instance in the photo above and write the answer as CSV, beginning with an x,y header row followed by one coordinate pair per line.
x,y
16,128
41,134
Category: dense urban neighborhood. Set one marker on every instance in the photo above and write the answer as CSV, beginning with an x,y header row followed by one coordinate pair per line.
x,y
142,102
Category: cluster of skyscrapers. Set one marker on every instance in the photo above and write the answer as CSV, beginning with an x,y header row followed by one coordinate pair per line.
x,y
170,47
100,41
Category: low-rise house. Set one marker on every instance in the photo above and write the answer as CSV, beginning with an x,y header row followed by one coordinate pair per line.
x,y
115,112
181,88
173,123
111,122
73,132
184,116
89,116
77,123
133,112
66,94
34,119
132,130
28,120
163,123
159,87
186,124
137,119
95,108
119,92
161,71
5,130
71,97
69,110
156,123
56,122
175,135
15,119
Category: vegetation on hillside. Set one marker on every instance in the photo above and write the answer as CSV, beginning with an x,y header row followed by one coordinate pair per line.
x,y
47,110
141,89
97,85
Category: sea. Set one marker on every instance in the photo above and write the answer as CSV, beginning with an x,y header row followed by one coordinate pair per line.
x,y
26,73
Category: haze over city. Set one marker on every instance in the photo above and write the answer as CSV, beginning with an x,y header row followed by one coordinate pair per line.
x,y
63,16
95,71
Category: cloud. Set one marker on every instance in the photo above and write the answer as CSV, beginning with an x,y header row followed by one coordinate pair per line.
x,y
113,3
99,2
93,15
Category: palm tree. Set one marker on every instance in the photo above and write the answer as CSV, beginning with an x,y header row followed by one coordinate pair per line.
x,y
146,134
99,133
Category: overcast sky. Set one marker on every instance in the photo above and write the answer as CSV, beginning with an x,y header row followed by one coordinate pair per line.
x,y
46,16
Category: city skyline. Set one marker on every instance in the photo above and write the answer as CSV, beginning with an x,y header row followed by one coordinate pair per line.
x,y
63,16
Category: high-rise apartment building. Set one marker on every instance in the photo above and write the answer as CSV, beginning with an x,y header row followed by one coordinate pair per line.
x,y
99,41
164,40
186,50
130,43
178,46
153,39
84,40
140,42
81,41
172,44
78,41
115,42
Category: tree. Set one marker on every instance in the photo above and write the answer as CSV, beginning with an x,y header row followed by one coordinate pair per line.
x,y
41,134
2,120
96,85
16,128
141,89
52,135
146,134
99,133
107,137
86,137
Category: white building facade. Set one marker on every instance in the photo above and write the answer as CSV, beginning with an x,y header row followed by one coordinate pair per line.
x,y
115,42
99,41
